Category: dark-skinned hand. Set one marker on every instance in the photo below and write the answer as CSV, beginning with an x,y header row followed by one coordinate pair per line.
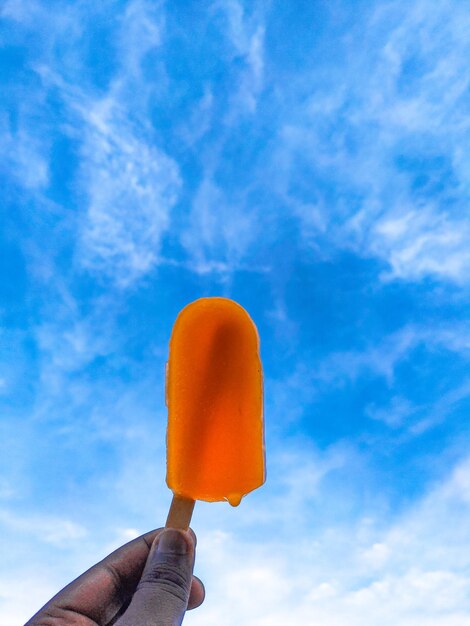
x,y
147,582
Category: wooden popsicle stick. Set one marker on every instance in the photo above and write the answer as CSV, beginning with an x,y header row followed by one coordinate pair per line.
x,y
179,515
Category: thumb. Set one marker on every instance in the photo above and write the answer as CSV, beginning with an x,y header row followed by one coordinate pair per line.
x,y
161,597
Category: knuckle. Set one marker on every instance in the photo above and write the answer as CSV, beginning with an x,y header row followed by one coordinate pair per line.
x,y
167,577
58,616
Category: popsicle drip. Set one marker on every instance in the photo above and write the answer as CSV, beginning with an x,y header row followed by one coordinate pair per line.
x,y
234,499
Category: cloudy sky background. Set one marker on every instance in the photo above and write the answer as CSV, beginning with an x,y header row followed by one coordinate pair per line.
x,y
309,159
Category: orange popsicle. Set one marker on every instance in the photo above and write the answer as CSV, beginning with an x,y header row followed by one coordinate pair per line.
x,y
215,436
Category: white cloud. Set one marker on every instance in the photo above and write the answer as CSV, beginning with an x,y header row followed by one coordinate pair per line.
x,y
246,35
440,410
141,31
220,229
223,227
49,529
24,154
281,558
23,595
379,359
131,187
21,10
395,414
401,95
408,573
369,570
351,131
72,343
6,489
376,555
423,242
382,358
199,122
126,183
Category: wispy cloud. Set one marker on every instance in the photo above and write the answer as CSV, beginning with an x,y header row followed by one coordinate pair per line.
x,y
131,187
389,360
220,229
125,184
400,412
408,573
141,31
440,410
50,529
246,35
423,242
195,139
196,125
222,226
384,144
24,155
381,359
16,605
395,414
21,10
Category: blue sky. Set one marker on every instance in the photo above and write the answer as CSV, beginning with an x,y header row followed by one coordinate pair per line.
x,y
307,159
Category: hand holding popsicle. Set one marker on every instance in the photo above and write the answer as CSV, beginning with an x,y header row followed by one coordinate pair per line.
x,y
147,582
215,451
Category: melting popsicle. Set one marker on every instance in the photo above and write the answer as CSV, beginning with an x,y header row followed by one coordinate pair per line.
x,y
215,436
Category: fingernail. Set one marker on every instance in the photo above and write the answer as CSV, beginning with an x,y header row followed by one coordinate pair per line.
x,y
172,542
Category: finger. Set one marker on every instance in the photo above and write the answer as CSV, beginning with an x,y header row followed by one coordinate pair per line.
x,y
102,591
196,594
162,595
